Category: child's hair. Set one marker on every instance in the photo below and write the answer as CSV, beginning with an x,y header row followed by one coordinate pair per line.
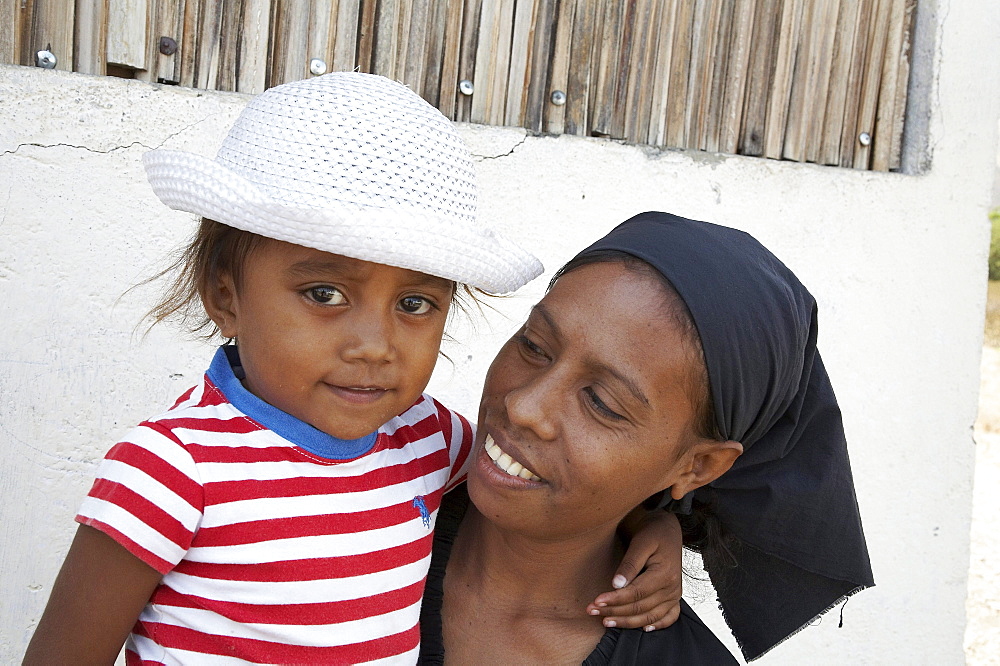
x,y
218,249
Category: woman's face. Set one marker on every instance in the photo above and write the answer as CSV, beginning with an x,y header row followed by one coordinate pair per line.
x,y
587,410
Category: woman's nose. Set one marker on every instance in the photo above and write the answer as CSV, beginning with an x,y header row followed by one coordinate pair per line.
x,y
531,406
371,338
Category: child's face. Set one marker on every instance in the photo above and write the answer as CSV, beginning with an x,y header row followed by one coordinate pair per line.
x,y
339,343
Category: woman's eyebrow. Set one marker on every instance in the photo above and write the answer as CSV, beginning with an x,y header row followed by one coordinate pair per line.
x,y
624,379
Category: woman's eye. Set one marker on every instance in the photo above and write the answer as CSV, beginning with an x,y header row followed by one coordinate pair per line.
x,y
326,295
600,405
529,346
415,305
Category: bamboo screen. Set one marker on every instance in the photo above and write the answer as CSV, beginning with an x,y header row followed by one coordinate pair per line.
x,y
808,80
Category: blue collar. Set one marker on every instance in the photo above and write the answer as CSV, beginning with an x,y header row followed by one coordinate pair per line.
x,y
224,373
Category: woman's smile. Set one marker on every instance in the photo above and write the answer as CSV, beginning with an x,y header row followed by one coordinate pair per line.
x,y
505,462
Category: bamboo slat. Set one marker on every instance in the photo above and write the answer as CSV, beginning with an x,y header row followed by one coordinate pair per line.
x,y
450,58
619,58
386,38
126,40
703,35
878,32
366,36
432,49
884,134
345,45
492,61
712,124
811,80
902,88
289,57
207,59
637,93
849,132
166,19
253,46
421,35
663,47
471,16
48,24
763,59
89,35
836,100
519,71
187,42
403,21
603,122
539,86
10,31
781,82
229,28
680,63
322,31
736,75
555,114
583,52
823,76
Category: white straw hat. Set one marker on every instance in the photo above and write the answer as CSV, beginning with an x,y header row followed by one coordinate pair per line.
x,y
353,164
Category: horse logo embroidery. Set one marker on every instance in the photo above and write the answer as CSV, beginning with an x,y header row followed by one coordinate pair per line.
x,y
425,515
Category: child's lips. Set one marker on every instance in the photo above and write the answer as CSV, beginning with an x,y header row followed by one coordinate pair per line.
x,y
358,395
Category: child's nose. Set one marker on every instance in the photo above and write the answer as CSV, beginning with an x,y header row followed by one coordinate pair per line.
x,y
372,339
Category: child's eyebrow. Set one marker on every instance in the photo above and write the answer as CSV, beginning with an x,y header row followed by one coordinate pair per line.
x,y
314,268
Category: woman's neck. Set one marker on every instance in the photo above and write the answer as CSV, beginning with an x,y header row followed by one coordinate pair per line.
x,y
525,568
530,595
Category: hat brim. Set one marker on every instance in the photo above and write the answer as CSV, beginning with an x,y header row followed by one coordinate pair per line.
x,y
396,236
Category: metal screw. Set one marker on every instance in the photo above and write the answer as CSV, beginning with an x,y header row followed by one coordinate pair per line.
x,y
168,46
558,97
45,59
865,139
317,67
465,87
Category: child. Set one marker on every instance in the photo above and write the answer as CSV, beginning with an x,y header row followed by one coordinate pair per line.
x,y
282,510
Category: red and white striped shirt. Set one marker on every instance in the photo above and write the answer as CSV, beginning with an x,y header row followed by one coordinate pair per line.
x,y
270,552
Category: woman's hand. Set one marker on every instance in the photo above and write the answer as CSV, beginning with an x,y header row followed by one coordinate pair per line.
x,y
650,599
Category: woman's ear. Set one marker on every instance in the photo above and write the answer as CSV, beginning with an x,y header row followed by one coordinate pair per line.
x,y
706,461
222,305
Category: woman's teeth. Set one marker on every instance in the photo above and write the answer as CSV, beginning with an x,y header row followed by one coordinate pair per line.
x,y
506,463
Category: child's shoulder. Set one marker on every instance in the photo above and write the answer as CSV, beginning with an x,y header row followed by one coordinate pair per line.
x,y
428,418
426,410
203,407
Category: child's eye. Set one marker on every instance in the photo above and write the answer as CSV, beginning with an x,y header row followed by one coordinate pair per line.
x,y
415,305
600,406
326,295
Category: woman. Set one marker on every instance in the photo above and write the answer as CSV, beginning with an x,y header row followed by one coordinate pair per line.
x,y
674,362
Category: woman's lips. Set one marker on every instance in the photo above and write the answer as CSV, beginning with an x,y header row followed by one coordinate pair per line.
x,y
505,463
358,395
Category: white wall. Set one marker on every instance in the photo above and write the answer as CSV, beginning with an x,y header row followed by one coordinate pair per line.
x,y
896,261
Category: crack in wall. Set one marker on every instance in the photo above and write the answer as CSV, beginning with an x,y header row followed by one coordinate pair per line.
x,y
110,150
508,153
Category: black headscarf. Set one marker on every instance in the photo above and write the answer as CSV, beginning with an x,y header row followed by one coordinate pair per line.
x,y
789,499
